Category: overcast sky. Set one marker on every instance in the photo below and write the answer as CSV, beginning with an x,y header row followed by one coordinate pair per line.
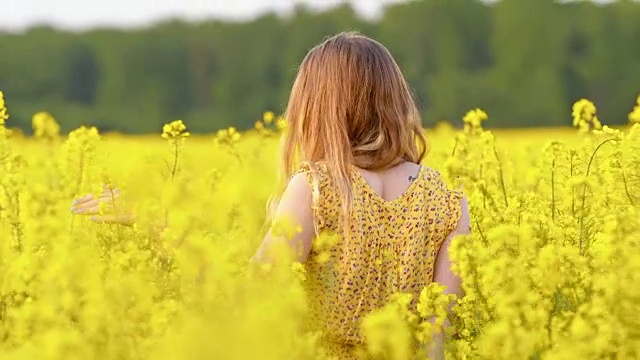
x,y
82,14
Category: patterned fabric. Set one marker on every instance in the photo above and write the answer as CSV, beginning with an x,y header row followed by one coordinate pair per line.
x,y
391,247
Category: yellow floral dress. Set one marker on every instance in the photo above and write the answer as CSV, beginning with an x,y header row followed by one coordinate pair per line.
x,y
392,246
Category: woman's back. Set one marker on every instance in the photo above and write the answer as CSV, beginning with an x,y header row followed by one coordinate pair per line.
x,y
400,217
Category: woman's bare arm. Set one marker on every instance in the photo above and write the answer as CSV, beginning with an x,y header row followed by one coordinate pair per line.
x,y
295,209
443,274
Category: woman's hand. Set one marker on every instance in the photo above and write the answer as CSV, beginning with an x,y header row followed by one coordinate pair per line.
x,y
106,208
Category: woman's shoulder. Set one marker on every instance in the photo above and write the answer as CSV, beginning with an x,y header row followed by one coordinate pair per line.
x,y
434,180
315,173
447,201
316,169
431,175
313,166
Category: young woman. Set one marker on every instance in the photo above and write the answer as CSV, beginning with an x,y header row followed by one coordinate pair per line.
x,y
351,159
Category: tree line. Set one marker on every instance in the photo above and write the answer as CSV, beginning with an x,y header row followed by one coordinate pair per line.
x,y
523,61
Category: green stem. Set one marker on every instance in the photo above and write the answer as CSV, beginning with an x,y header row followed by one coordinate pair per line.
x,y
553,190
626,189
17,226
484,197
480,231
502,184
174,171
584,196
176,152
573,194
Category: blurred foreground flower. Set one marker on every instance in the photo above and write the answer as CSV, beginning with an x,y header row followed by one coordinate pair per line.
x,y
82,137
268,117
281,123
634,116
3,110
270,124
388,330
473,120
614,133
45,126
229,136
584,116
175,130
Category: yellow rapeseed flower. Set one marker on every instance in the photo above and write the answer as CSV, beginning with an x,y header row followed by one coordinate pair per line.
x,y
45,126
268,117
234,134
281,123
84,135
388,329
229,135
175,130
634,116
551,274
3,110
473,120
270,125
584,116
606,130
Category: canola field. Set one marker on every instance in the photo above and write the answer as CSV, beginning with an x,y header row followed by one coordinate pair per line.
x,y
550,271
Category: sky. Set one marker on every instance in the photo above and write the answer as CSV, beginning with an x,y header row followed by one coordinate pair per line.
x,y
78,15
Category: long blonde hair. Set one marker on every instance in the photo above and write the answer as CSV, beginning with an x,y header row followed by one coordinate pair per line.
x,y
350,106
